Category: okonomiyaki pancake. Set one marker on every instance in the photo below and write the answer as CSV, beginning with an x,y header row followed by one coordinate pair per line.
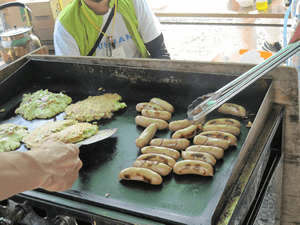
x,y
42,104
66,131
95,107
75,133
11,136
38,135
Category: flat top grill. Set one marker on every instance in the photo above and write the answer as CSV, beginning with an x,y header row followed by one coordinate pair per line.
x,y
185,199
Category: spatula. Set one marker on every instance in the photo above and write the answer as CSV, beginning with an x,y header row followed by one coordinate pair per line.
x,y
101,135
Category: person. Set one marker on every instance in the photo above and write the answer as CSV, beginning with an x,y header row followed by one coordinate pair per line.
x,y
295,35
133,31
53,167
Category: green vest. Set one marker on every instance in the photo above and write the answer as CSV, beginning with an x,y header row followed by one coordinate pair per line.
x,y
77,24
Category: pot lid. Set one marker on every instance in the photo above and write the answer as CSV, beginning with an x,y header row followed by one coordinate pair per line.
x,y
15,31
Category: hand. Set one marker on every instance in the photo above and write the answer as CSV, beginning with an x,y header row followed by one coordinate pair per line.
x,y
60,163
296,35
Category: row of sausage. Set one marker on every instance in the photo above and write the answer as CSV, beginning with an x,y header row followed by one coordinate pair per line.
x,y
159,155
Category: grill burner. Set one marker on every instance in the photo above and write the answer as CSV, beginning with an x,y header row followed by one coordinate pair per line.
x,y
13,213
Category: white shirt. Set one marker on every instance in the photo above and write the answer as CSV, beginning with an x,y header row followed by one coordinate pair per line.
x,y
65,44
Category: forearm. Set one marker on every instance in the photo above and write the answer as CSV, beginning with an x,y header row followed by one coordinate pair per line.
x,y
19,172
157,48
53,166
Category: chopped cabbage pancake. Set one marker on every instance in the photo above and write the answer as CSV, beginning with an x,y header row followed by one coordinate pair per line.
x,y
11,136
42,104
66,131
95,107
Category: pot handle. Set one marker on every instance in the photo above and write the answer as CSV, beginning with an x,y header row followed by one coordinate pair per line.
x,y
11,4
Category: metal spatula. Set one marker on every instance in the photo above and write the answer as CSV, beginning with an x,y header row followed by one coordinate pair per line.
x,y
101,135
207,103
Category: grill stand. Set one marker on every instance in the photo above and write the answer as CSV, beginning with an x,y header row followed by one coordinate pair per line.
x,y
285,94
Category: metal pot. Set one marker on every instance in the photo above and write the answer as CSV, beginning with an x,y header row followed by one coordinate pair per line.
x,y
18,41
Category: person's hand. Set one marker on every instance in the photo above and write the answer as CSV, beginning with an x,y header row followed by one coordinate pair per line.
x,y
60,164
296,35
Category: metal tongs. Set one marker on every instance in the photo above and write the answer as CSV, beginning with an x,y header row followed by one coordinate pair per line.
x,y
207,103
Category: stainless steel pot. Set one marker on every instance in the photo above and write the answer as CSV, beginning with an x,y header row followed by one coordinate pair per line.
x,y
18,41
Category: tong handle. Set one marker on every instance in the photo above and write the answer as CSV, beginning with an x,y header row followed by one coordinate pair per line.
x,y
199,109
252,71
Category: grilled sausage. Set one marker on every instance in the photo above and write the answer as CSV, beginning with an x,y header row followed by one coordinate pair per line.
x,y
224,121
178,143
146,136
216,152
221,135
233,109
164,104
146,121
147,105
159,158
161,150
158,167
163,115
201,156
187,133
203,140
193,167
179,124
140,174
225,128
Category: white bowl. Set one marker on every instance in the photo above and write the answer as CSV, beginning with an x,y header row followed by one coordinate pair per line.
x,y
245,3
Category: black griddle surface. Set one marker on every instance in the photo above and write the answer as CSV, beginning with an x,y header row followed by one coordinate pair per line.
x,y
186,199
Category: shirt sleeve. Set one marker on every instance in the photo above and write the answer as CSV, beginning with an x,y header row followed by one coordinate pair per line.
x,y
157,48
149,26
64,43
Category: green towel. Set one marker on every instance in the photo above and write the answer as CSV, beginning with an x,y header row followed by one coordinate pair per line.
x,y
78,25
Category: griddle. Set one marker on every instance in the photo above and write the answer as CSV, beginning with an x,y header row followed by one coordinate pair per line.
x,y
188,199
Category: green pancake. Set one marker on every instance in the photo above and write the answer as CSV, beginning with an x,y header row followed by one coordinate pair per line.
x,y
41,133
66,131
42,104
11,136
95,107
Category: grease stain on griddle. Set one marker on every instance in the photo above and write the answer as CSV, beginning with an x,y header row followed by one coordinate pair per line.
x,y
144,76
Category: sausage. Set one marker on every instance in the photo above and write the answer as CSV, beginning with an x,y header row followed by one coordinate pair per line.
x,y
147,105
158,167
203,140
233,109
146,136
201,156
221,135
161,150
146,121
164,104
175,143
225,128
216,152
193,167
225,121
187,133
163,115
159,158
179,124
140,174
